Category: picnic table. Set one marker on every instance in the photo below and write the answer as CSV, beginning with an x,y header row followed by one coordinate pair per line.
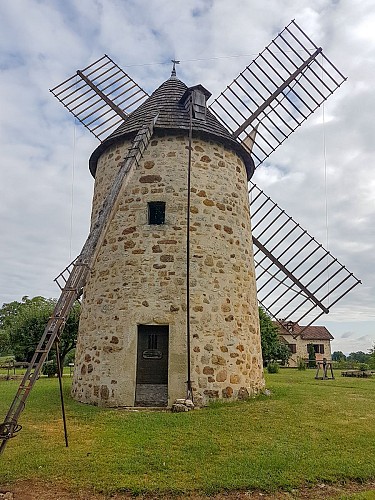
x,y
357,373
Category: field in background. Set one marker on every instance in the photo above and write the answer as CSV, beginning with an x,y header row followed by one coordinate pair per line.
x,y
308,432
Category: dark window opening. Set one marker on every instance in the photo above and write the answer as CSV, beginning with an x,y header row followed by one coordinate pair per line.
x,y
318,348
292,348
156,212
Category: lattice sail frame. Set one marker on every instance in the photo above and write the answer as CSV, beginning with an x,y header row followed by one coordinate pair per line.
x,y
293,271
100,96
278,91
268,101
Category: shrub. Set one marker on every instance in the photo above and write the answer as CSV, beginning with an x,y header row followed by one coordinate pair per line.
x,y
272,348
301,364
341,365
273,367
49,368
312,359
70,357
6,359
364,367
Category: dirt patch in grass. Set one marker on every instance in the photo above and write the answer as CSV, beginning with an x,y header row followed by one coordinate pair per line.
x,y
32,490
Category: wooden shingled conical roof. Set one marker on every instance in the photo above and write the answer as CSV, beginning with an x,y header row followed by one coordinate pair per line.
x,y
172,117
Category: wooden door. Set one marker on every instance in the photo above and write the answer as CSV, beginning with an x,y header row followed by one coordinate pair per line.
x,y
152,365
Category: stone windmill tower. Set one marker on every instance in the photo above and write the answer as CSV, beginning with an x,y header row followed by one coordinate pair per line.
x,y
134,332
169,267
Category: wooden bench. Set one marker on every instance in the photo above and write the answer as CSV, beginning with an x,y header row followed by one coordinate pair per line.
x,y
357,373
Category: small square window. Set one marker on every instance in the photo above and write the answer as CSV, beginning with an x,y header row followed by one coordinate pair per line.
x,y
156,212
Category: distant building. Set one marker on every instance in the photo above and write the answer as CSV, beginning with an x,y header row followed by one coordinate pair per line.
x,y
298,338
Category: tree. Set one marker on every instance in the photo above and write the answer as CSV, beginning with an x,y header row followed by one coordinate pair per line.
x,y
8,313
358,357
283,353
312,357
24,323
338,356
272,347
371,360
4,343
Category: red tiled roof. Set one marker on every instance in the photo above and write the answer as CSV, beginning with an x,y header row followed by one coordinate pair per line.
x,y
308,333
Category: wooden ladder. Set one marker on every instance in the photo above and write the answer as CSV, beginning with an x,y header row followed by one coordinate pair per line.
x,y
72,280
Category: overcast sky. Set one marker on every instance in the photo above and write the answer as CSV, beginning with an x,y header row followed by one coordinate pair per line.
x,y
46,188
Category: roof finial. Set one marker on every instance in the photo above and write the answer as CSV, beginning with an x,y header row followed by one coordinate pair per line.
x,y
173,74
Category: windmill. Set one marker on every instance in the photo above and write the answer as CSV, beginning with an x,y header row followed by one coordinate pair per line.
x,y
168,269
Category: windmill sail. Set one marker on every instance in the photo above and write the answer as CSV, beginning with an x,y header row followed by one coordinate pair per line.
x,y
100,96
278,91
297,278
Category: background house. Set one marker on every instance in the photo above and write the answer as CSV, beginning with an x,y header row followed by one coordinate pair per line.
x,y
298,338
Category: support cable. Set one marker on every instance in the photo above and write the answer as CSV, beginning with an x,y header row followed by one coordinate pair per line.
x,y
325,184
72,190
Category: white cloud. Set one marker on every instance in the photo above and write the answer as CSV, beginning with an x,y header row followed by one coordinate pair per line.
x,y
43,42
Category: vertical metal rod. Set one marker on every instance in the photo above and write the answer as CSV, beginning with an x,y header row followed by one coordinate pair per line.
x,y
59,373
189,387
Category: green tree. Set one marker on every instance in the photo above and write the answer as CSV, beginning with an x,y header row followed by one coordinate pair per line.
x,y
24,323
312,358
283,353
358,357
272,347
8,313
338,356
371,360
4,343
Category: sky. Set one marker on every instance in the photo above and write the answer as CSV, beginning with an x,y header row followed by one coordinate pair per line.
x,y
323,175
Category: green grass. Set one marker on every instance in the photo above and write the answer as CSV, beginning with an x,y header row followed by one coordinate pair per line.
x,y
366,495
19,372
308,431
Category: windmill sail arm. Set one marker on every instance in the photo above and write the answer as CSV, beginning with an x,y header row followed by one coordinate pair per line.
x,y
102,95
287,273
101,85
277,91
297,278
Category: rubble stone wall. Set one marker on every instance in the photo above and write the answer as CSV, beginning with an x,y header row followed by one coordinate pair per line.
x,y
139,277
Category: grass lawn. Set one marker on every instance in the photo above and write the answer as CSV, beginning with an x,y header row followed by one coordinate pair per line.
x,y
309,431
19,372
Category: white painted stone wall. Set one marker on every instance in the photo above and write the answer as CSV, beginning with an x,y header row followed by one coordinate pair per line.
x,y
140,278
